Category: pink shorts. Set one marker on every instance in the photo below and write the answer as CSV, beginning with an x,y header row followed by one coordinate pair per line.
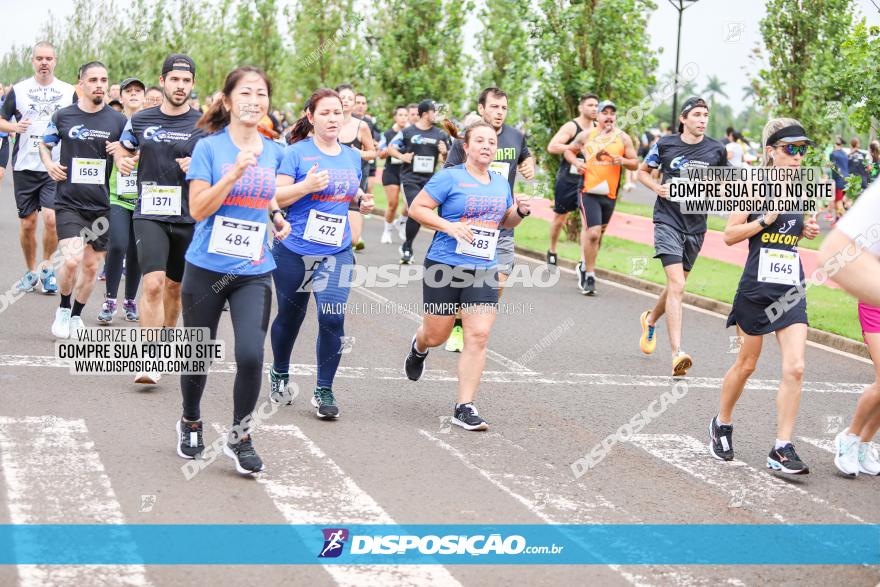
x,y
869,318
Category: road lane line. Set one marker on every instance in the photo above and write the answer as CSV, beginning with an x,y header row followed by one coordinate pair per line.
x,y
308,487
744,484
54,475
531,377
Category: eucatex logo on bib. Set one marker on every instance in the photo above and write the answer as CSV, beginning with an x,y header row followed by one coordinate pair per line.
x,y
158,134
82,133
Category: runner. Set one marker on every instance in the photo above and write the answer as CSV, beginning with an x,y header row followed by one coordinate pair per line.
x,y
605,150
413,113
82,200
153,97
232,188
123,250
391,178
566,191
114,93
772,269
473,204
163,228
360,111
861,278
512,156
355,133
32,103
678,237
418,146
318,183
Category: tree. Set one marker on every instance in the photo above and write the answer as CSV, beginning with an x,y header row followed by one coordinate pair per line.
x,y
506,56
714,88
803,41
858,79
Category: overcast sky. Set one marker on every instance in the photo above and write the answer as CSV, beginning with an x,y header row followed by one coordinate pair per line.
x,y
717,35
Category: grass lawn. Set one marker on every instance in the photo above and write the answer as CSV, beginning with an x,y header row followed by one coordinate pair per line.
x,y
829,309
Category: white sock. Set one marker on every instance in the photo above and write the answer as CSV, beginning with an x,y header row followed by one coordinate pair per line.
x,y
781,443
590,274
389,226
720,423
416,347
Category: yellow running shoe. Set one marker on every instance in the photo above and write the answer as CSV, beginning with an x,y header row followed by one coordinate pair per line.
x,y
681,362
648,342
456,340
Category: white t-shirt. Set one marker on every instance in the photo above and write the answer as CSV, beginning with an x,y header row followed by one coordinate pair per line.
x,y
863,219
735,154
36,103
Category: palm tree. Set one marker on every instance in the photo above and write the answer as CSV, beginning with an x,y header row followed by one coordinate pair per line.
x,y
749,93
714,88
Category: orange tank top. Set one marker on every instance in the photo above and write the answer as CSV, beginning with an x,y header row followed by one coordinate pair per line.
x,y
602,177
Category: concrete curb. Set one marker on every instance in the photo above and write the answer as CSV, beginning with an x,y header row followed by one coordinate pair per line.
x,y
831,340
834,341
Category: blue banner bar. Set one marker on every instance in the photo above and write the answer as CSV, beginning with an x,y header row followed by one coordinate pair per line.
x,y
685,544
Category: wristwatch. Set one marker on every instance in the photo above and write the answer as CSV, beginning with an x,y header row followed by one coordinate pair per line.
x,y
761,221
272,214
521,215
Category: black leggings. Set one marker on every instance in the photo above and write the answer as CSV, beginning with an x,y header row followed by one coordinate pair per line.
x,y
122,244
250,303
410,191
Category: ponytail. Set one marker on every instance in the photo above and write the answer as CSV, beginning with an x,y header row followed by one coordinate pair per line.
x,y
451,129
302,128
466,135
215,119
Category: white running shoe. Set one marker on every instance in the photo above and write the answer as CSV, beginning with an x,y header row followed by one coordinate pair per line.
x,y
151,378
76,324
846,453
61,325
401,227
386,237
869,463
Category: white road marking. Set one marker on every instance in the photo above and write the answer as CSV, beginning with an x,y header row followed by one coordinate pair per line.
x,y
495,356
826,444
529,377
308,487
756,490
54,475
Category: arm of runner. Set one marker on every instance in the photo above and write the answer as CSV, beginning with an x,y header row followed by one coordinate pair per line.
x,y
516,212
559,143
811,228
369,151
383,148
51,138
7,112
287,192
857,271
630,158
204,198
422,211
645,173
456,154
527,168
394,149
280,225
739,229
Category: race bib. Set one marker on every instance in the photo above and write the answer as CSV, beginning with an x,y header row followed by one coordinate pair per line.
x,y
483,247
502,168
394,161
161,200
33,143
237,238
90,171
779,266
325,229
127,185
573,170
423,164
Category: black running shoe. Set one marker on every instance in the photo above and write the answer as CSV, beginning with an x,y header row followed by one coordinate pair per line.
x,y
247,461
406,254
720,440
786,460
590,287
325,402
582,276
551,258
279,387
415,362
189,439
467,417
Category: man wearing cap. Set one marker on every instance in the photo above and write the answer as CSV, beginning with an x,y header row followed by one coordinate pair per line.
x,y
123,197
606,150
678,237
420,146
32,102
163,139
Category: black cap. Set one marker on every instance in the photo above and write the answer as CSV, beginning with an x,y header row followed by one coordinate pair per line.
x,y
115,102
690,104
132,80
179,62
790,134
426,106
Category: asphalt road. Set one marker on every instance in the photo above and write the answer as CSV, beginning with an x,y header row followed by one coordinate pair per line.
x,y
565,372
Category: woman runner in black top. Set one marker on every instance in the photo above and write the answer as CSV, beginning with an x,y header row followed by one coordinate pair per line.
x,y
770,298
355,133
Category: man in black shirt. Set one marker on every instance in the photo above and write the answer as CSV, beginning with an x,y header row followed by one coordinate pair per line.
x,y
82,197
678,237
164,138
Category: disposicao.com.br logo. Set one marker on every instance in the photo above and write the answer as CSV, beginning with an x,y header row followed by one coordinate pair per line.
x,y
411,544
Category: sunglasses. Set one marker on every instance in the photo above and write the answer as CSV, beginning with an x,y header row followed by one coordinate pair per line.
x,y
792,150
